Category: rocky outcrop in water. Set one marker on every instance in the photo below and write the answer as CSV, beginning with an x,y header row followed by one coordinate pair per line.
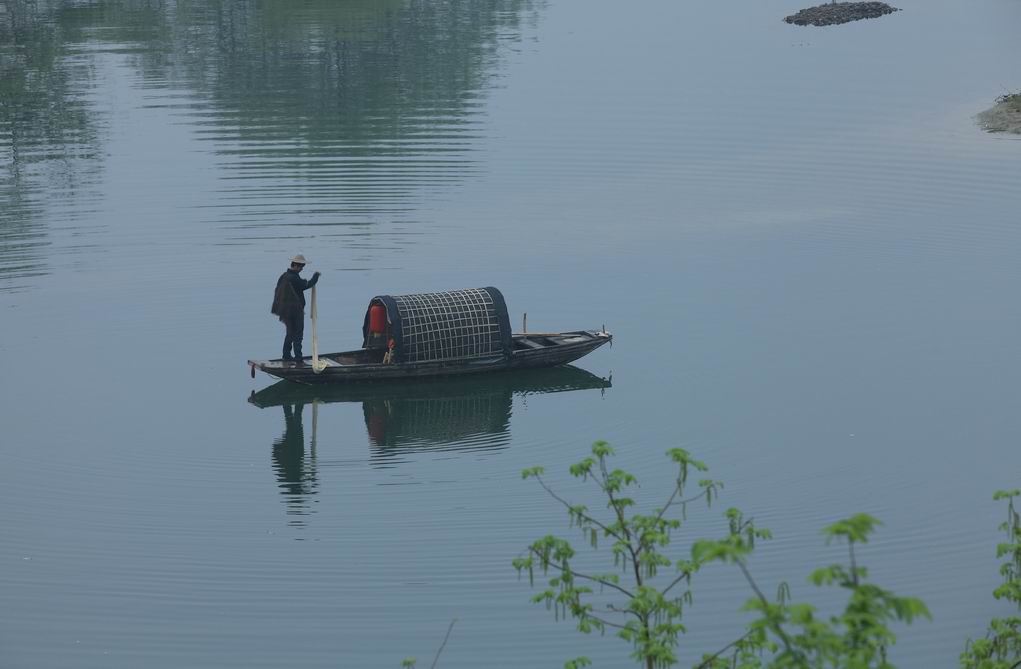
x,y
1004,116
840,12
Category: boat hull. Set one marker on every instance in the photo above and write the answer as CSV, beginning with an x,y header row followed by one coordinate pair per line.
x,y
555,349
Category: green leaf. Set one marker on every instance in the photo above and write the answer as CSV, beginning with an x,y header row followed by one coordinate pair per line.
x,y
857,528
601,449
683,457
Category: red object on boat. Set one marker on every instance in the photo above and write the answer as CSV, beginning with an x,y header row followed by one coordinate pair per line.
x,y
377,319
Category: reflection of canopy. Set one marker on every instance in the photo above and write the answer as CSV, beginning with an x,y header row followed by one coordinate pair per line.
x,y
438,421
452,325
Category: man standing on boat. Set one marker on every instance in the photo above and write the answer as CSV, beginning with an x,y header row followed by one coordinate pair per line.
x,y
289,305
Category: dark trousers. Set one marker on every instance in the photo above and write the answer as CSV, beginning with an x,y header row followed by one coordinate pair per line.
x,y
295,333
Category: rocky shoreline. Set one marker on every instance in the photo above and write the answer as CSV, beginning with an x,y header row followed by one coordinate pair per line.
x,y
840,12
1004,116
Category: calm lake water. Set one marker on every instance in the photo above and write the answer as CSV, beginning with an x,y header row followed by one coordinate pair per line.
x,y
807,251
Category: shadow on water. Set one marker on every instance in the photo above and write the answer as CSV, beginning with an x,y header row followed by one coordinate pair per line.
x,y
320,113
339,113
470,414
296,475
49,139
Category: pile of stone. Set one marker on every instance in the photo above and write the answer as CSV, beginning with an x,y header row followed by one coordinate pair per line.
x,y
840,12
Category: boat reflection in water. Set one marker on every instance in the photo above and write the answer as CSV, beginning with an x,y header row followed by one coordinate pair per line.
x,y
433,415
295,476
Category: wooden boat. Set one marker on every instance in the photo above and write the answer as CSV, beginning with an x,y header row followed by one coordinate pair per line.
x,y
438,334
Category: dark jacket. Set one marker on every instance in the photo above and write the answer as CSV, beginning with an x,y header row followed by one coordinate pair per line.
x,y
289,296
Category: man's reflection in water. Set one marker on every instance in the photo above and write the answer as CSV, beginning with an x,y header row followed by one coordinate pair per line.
x,y
296,477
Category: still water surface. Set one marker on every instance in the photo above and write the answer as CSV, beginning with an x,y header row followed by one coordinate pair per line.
x,y
804,246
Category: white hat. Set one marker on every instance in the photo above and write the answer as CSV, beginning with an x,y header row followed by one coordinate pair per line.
x,y
299,260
